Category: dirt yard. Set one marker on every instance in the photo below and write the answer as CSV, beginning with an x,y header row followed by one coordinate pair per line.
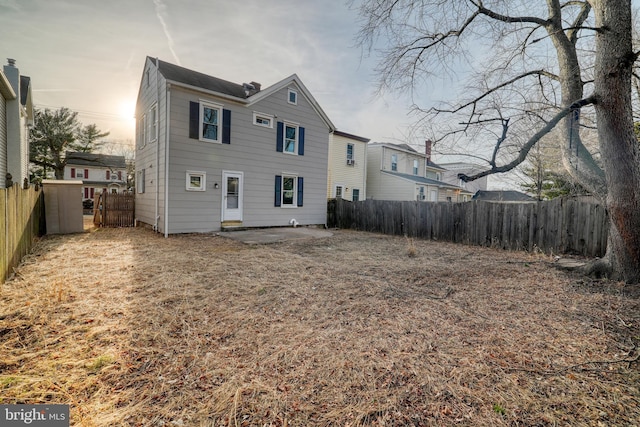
x,y
132,329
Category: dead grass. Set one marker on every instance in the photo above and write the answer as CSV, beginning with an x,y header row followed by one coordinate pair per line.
x,y
132,329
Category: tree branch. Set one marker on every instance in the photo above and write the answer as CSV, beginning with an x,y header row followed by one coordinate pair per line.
x,y
524,151
500,86
508,19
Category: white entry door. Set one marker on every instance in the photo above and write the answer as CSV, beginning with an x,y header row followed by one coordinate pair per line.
x,y
232,196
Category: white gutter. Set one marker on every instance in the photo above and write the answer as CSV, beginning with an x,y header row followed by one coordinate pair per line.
x,y
166,162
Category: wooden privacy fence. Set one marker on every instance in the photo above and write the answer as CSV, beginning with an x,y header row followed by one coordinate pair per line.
x,y
557,226
114,209
21,222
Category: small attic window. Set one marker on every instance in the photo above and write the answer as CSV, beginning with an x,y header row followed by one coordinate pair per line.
x,y
292,96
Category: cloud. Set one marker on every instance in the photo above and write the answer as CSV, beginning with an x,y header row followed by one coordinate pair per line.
x,y
10,4
161,9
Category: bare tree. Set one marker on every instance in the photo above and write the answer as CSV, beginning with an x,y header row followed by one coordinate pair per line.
x,y
539,65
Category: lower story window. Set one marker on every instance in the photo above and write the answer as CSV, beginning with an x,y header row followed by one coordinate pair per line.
x,y
338,192
140,181
289,191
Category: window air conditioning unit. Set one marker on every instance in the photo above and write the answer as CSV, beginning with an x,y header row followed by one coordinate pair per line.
x,y
350,162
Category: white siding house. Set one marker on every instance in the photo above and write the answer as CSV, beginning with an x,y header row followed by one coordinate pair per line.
x,y
212,154
347,166
16,115
398,172
97,172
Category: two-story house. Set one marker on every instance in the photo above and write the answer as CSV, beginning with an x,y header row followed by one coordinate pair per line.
x,y
16,115
212,154
97,172
454,168
347,177
398,172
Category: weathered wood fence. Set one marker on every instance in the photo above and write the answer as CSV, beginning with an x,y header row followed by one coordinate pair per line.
x,y
114,209
21,222
558,226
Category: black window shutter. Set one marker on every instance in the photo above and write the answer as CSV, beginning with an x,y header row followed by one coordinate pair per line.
x,y
300,190
194,120
280,137
301,141
226,126
278,196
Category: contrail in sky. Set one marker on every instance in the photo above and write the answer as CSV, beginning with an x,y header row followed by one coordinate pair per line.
x,y
160,11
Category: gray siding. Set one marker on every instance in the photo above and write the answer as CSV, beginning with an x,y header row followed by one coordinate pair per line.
x,y
150,155
253,152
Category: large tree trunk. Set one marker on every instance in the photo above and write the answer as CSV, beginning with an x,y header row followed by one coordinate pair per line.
x,y
618,144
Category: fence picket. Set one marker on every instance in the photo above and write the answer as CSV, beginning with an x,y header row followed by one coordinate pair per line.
x,y
556,226
21,221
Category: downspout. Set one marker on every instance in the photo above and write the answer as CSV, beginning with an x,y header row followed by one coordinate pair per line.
x,y
364,179
166,161
155,223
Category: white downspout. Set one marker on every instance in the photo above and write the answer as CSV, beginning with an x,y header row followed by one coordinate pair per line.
x,y
364,183
157,216
166,161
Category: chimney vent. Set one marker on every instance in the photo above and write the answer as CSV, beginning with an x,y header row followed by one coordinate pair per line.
x,y
11,62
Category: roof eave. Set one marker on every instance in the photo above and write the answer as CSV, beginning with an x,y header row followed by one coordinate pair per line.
x,y
207,91
5,88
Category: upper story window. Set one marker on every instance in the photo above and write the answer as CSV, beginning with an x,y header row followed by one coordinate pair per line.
x,y
438,176
79,173
210,115
394,162
350,159
292,96
152,122
209,122
415,167
142,131
265,120
290,138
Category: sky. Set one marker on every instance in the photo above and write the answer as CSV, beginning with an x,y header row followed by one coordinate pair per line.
x,y
88,55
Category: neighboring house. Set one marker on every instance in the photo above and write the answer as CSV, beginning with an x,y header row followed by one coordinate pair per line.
x,y
347,177
450,175
398,172
506,196
212,154
97,172
16,116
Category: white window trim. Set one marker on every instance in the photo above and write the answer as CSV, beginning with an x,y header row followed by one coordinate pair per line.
x,y
269,117
140,181
211,105
295,190
143,131
396,162
284,138
292,91
153,123
353,152
335,190
203,181
416,167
